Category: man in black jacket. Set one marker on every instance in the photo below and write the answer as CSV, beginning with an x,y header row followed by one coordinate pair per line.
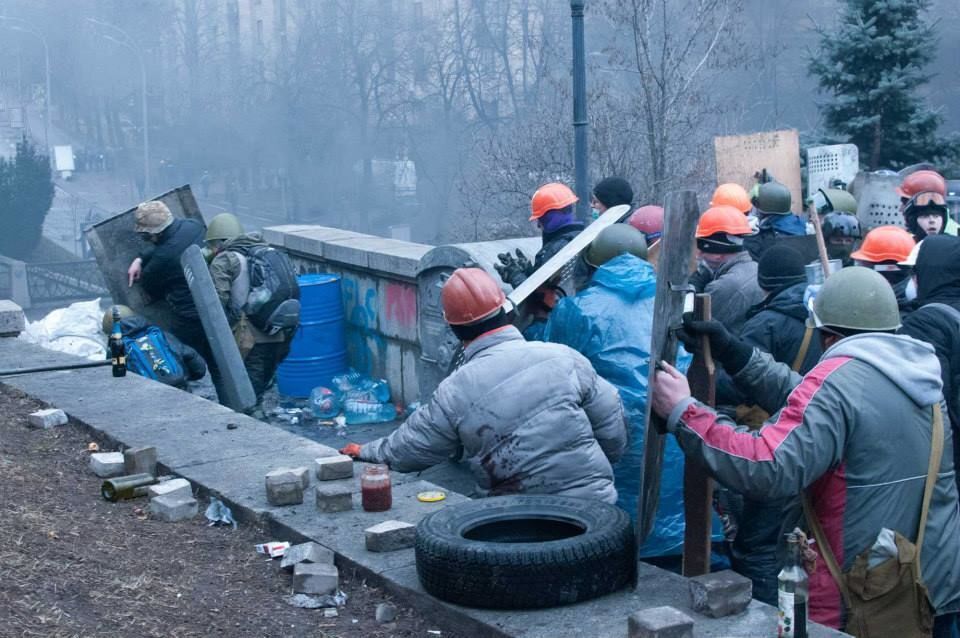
x,y
937,317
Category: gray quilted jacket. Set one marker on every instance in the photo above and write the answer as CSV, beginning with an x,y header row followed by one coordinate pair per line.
x,y
532,417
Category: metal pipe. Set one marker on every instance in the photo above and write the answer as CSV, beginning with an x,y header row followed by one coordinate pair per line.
x,y
580,126
66,366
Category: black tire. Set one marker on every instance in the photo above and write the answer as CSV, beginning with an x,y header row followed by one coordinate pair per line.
x,y
519,552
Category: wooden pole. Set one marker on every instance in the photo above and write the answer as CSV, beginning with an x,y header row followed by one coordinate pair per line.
x,y
697,484
821,244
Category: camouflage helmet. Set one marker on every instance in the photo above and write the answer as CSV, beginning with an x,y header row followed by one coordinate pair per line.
x,y
839,201
224,226
857,298
773,198
614,241
107,322
152,217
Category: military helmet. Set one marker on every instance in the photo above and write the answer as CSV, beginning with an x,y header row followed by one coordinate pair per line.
x,y
841,225
224,226
773,198
857,298
838,201
614,241
107,322
152,217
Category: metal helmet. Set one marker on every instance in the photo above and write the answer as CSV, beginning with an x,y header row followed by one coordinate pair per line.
x,y
152,217
773,198
548,197
469,296
838,201
857,298
731,194
840,225
107,323
224,226
614,241
885,243
649,221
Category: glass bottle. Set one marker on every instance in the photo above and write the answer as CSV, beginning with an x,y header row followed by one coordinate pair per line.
x,y
792,592
118,354
376,491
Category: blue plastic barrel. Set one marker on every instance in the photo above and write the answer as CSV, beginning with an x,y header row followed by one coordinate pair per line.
x,y
319,349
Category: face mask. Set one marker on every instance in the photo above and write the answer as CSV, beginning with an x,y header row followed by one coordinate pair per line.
x,y
911,291
594,214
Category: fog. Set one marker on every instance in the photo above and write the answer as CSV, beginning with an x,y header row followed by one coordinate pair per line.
x,y
428,119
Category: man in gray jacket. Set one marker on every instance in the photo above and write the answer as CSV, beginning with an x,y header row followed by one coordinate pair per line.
x,y
854,435
532,417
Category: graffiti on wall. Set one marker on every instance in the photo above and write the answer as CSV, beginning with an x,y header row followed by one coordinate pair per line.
x,y
401,304
366,347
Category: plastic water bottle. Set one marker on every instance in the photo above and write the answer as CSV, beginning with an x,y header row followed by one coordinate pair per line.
x,y
358,412
324,403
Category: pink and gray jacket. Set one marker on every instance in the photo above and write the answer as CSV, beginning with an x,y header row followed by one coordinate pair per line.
x,y
855,433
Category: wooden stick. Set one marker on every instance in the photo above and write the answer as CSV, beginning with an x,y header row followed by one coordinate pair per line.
x,y
821,244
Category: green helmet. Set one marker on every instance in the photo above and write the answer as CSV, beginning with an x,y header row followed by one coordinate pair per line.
x,y
616,240
107,323
224,226
857,298
773,198
840,201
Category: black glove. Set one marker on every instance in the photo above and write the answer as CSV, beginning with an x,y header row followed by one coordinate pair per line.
x,y
732,353
513,270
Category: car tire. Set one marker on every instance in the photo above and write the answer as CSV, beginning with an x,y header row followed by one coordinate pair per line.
x,y
525,551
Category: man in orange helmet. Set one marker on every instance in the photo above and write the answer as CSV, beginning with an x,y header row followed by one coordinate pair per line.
x,y
887,249
725,269
924,205
519,434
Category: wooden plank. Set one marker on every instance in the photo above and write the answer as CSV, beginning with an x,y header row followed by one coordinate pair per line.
x,y
673,271
740,157
697,484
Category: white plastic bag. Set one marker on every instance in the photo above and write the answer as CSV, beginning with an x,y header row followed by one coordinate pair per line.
x,y
74,330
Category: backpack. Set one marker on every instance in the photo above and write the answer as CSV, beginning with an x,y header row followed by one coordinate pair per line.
x,y
149,355
273,303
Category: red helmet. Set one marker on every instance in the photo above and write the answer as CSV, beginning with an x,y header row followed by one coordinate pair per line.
x,y
927,187
548,197
469,296
885,243
732,195
649,221
722,219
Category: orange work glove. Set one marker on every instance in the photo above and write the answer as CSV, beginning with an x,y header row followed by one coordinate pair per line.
x,y
352,450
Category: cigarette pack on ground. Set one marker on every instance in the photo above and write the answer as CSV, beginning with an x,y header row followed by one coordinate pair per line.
x,y
273,550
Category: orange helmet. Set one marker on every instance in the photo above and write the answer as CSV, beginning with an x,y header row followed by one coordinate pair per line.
x,y
548,197
469,296
732,195
649,221
722,219
928,187
885,243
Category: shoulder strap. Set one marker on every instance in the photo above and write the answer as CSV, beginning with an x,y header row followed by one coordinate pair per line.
x,y
804,348
823,547
936,454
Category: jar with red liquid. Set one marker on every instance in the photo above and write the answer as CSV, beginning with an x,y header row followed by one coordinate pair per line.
x,y
376,491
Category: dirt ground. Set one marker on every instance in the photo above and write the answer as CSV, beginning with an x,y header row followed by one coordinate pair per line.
x,y
72,564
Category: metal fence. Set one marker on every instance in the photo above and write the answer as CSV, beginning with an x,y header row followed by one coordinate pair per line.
x,y
64,281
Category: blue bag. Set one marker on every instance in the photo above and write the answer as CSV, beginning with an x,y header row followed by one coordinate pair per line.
x,y
149,355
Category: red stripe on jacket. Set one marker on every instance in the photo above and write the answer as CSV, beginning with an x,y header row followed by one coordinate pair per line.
x,y
828,497
761,445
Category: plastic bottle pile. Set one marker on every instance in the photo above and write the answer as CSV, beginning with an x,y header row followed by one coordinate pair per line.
x,y
361,398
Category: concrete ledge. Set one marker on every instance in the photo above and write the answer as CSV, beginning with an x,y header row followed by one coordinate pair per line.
x,y
194,442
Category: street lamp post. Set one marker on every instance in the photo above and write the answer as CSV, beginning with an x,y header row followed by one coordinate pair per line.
x,y
24,27
580,157
127,42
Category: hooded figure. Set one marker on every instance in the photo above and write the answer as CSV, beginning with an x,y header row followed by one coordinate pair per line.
x,y
609,323
937,318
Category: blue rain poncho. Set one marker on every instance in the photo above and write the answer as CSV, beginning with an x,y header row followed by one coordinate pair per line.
x,y
610,322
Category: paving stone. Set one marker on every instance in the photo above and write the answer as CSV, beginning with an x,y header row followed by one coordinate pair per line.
x,y
315,578
386,612
140,460
46,419
177,487
302,473
720,593
284,487
335,497
173,508
107,464
12,320
306,553
389,536
333,468
660,622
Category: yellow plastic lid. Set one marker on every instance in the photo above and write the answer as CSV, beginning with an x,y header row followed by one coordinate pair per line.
x,y
431,497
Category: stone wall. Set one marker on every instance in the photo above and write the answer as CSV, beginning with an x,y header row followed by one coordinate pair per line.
x,y
379,287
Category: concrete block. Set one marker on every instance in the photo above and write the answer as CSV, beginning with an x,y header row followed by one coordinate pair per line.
x,y
315,578
720,593
173,508
107,464
306,553
335,497
398,257
397,310
140,460
284,487
177,487
12,321
660,622
353,251
389,536
332,468
46,419
302,473
386,612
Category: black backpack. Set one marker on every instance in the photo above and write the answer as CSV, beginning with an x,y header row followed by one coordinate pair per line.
x,y
273,302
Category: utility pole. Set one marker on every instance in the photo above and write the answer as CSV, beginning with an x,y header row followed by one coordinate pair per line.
x,y
16,24
580,157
